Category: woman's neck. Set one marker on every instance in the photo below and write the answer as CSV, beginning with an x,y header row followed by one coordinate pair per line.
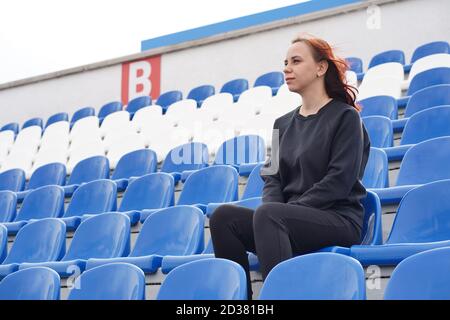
x,y
313,101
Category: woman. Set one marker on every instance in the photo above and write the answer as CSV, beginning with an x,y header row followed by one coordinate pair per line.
x,y
312,184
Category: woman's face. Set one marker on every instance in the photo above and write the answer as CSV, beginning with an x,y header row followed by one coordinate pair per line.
x,y
301,70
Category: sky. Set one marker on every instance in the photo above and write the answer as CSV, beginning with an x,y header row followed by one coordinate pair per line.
x,y
38,37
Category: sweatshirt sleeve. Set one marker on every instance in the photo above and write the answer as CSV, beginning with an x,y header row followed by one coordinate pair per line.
x,y
343,168
272,191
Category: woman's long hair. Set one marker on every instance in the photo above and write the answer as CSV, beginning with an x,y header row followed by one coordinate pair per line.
x,y
336,84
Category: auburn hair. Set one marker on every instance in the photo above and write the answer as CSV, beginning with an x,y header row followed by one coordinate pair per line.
x,y
336,84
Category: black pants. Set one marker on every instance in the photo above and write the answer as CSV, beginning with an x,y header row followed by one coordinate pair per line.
x,y
276,232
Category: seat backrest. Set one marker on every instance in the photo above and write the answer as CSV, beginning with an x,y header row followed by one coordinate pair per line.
x,y
62,116
151,191
32,122
389,69
380,131
82,113
52,173
433,96
429,78
39,241
427,124
3,242
379,106
429,269
240,150
425,162
188,156
105,235
13,126
94,197
109,108
8,204
255,184
43,202
376,172
429,49
138,103
171,231
387,56
135,164
13,180
274,80
207,279
372,233
212,184
423,215
235,87
316,276
429,62
38,283
115,281
90,169
355,64
200,93
167,98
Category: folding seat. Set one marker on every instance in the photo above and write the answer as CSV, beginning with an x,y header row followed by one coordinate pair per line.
x,y
12,180
429,271
82,113
90,169
390,69
108,109
90,148
355,64
200,93
255,97
85,128
167,98
62,116
428,49
212,184
120,146
380,131
115,123
274,80
33,122
439,60
421,126
235,87
170,231
379,106
215,134
423,99
221,279
28,139
178,110
8,205
237,116
38,241
31,284
262,125
90,198
386,57
19,158
380,86
3,237
218,102
315,276
6,142
50,174
164,138
100,236
146,117
284,102
421,223
376,174
56,135
117,281
50,155
138,103
186,157
13,126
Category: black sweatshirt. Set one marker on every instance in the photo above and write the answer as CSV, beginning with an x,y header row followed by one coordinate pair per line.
x,y
322,158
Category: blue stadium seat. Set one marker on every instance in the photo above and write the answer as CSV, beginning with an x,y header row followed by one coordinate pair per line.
x,y
109,108
31,284
101,236
421,126
82,113
251,198
424,162
12,180
379,106
186,157
43,202
13,126
376,174
138,103
380,131
134,164
235,87
52,173
62,116
95,197
3,242
355,64
170,231
387,56
87,170
274,80
209,279
316,276
32,122
8,204
428,49
429,271
96,284
429,97
38,241
422,223
167,98
200,93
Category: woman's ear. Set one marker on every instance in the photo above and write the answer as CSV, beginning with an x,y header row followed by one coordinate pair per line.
x,y
322,68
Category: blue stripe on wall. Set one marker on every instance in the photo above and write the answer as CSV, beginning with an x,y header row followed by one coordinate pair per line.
x,y
243,22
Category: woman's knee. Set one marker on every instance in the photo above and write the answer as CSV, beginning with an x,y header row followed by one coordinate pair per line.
x,y
221,216
264,212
